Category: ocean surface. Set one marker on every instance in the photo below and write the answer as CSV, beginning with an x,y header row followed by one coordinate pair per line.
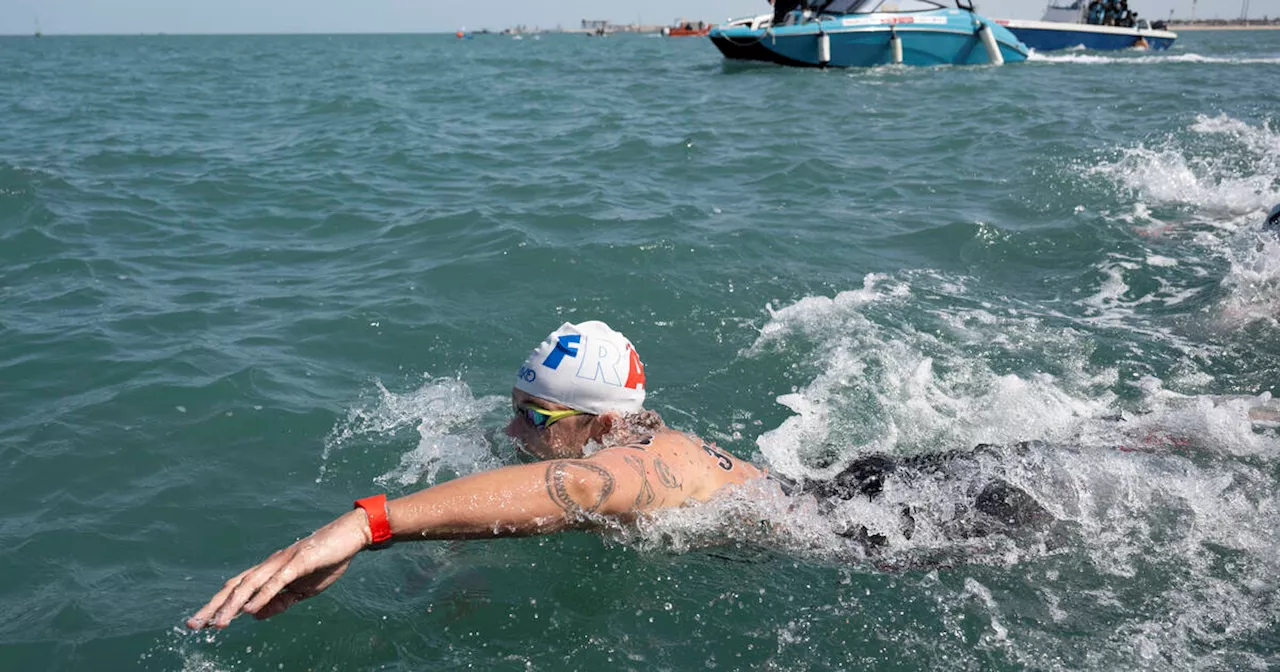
x,y
247,279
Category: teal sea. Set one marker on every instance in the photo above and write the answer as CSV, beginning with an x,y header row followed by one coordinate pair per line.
x,y
247,279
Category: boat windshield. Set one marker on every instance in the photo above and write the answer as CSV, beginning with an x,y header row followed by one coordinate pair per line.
x,y
870,6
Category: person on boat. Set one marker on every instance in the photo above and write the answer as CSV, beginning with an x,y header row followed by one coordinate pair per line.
x,y
582,388
1112,15
1096,12
782,10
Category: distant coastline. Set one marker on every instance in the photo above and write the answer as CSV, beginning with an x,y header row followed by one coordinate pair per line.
x,y
610,28
1225,24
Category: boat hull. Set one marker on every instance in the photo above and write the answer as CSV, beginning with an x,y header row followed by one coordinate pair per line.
x,y
1052,36
947,37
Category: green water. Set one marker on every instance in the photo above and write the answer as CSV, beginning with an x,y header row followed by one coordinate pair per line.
x,y
244,280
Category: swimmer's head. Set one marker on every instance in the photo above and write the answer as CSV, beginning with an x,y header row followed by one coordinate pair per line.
x,y
1272,223
587,367
584,383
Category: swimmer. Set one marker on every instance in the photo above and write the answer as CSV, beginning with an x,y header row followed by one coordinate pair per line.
x,y
584,385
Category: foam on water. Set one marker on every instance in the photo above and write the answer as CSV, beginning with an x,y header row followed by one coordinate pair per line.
x,y
447,418
890,385
1253,283
1220,165
1236,177
1222,174
1097,59
1178,496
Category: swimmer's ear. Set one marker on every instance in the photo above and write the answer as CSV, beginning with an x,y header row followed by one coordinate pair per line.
x,y
603,424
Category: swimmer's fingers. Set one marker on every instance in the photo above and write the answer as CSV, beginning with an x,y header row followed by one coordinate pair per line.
x,y
272,586
326,554
249,586
200,618
309,586
227,603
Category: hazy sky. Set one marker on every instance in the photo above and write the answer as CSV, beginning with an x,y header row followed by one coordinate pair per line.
x,y
359,16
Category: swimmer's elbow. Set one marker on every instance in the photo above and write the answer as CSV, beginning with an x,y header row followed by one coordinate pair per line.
x,y
580,488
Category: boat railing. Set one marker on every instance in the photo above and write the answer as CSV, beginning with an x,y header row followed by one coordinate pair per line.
x,y
759,22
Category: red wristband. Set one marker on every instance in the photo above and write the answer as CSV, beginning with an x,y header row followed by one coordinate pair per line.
x,y
376,508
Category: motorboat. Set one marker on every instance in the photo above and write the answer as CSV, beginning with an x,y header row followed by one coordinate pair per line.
x,y
1100,24
864,33
684,28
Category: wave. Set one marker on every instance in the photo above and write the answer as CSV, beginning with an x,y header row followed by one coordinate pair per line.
x,y
1095,59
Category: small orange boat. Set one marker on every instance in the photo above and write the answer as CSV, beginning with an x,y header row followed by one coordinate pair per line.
x,y
684,28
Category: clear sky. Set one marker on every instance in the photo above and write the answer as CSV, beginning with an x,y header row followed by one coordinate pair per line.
x,y
410,16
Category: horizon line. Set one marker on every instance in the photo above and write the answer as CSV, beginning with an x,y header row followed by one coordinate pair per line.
x,y
372,32
559,29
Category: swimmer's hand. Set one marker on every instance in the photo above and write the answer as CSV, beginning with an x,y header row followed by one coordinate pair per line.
x,y
289,575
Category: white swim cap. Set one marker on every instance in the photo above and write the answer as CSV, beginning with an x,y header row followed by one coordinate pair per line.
x,y
588,367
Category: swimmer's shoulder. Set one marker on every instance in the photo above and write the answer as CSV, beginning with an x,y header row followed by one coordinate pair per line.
x,y
720,466
701,464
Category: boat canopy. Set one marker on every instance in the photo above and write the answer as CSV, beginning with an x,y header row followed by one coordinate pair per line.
x,y
1064,13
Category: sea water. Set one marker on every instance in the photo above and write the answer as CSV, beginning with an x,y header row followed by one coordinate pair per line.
x,y
247,279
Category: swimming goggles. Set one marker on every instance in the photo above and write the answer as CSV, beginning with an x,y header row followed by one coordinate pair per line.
x,y
541,417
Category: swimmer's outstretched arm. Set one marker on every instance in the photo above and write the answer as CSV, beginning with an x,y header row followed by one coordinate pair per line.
x,y
520,500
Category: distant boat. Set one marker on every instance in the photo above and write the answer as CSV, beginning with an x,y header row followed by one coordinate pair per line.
x,y
1106,25
38,33
684,28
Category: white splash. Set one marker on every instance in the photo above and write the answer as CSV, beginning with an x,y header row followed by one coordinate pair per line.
x,y
1227,167
1096,59
448,421
1221,176
899,388
884,384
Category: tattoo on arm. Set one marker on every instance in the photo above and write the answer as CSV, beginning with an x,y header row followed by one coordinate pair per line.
x,y
669,478
722,458
646,495
558,474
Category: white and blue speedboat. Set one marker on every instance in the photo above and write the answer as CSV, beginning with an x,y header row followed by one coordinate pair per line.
x,y
1100,24
862,33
